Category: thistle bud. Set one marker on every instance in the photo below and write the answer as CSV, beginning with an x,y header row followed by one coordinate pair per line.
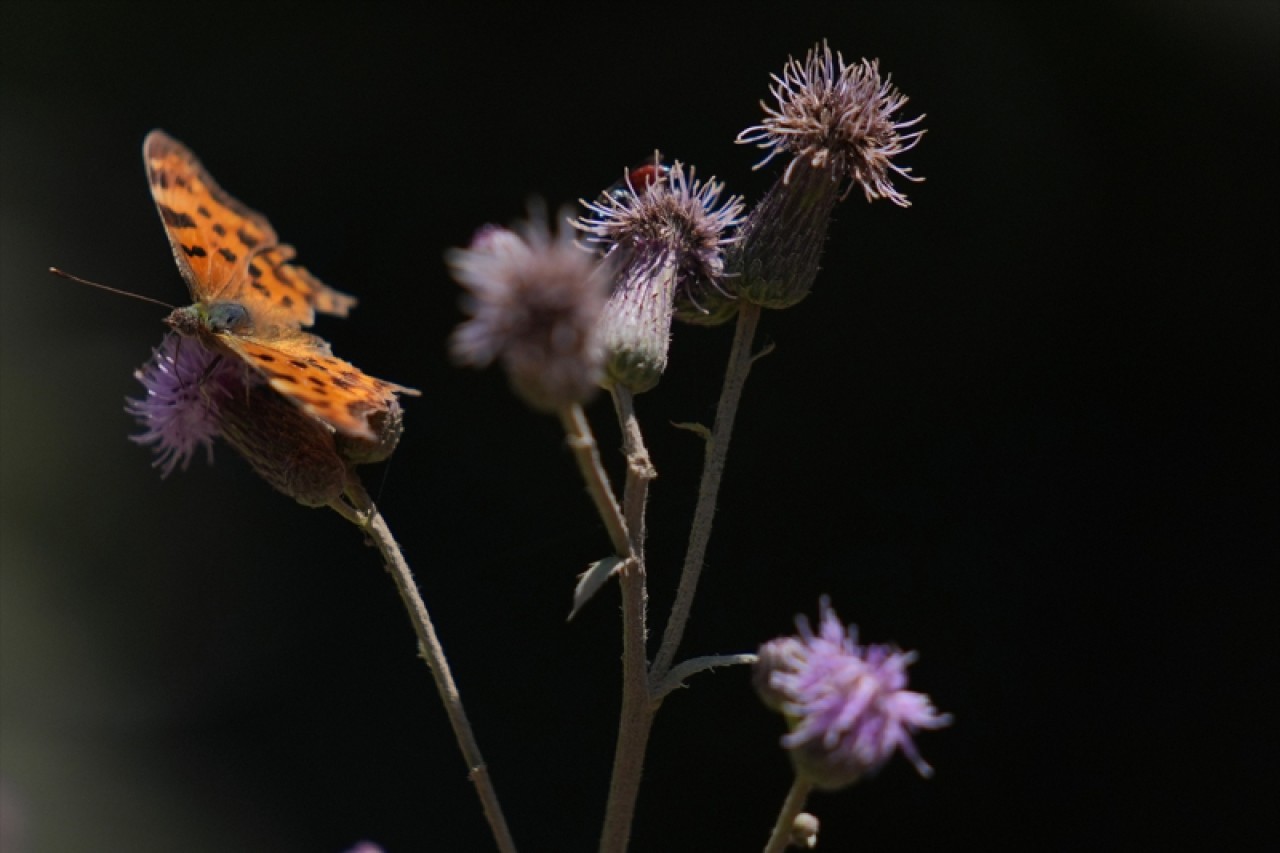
x,y
836,121
776,258
665,236
288,448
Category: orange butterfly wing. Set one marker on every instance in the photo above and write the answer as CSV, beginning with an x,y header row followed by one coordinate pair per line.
x,y
225,250
228,252
301,368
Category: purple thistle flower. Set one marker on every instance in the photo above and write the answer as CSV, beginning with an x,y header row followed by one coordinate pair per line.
x,y
847,705
184,382
535,300
837,118
665,237
675,211
671,234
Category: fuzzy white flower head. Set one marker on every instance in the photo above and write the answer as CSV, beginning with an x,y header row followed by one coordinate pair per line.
x,y
535,300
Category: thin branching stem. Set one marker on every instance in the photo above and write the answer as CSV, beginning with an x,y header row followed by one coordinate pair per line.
x,y
372,523
636,718
717,450
583,444
791,808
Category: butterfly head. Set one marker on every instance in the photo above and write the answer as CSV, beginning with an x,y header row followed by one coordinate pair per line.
x,y
216,317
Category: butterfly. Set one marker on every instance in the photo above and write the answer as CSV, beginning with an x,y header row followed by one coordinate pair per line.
x,y
251,301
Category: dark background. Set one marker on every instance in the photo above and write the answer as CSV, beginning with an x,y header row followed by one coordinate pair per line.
x,y
1016,427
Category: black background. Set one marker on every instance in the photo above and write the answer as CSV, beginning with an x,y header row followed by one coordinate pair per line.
x,y
1016,427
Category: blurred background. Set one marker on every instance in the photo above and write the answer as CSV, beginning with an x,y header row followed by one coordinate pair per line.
x,y
1016,427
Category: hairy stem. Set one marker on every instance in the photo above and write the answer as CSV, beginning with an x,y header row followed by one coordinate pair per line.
x,y
583,444
372,523
709,488
781,837
636,718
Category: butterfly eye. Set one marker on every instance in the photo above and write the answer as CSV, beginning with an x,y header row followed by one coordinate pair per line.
x,y
229,317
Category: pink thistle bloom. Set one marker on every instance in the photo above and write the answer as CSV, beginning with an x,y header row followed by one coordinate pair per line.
x,y
846,704
184,382
534,300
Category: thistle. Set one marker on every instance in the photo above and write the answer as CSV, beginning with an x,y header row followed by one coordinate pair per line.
x,y
846,705
185,384
667,237
837,123
535,300
195,395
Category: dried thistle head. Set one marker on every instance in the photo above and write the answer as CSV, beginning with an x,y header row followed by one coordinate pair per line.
x,y
836,121
535,300
839,119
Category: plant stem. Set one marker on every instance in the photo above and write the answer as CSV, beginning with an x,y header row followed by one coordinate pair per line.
x,y
372,522
636,718
791,808
709,488
583,445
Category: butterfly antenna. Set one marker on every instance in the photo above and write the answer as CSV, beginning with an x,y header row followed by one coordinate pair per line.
x,y
80,280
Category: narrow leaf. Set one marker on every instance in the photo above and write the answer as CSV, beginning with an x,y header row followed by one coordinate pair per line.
x,y
590,581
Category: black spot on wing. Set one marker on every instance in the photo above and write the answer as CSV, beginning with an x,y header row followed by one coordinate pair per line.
x,y
245,237
174,218
228,254
195,251
219,230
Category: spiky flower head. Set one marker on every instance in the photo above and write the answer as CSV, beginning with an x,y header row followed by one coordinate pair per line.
x,y
535,300
664,234
847,706
836,122
839,119
185,384
671,213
